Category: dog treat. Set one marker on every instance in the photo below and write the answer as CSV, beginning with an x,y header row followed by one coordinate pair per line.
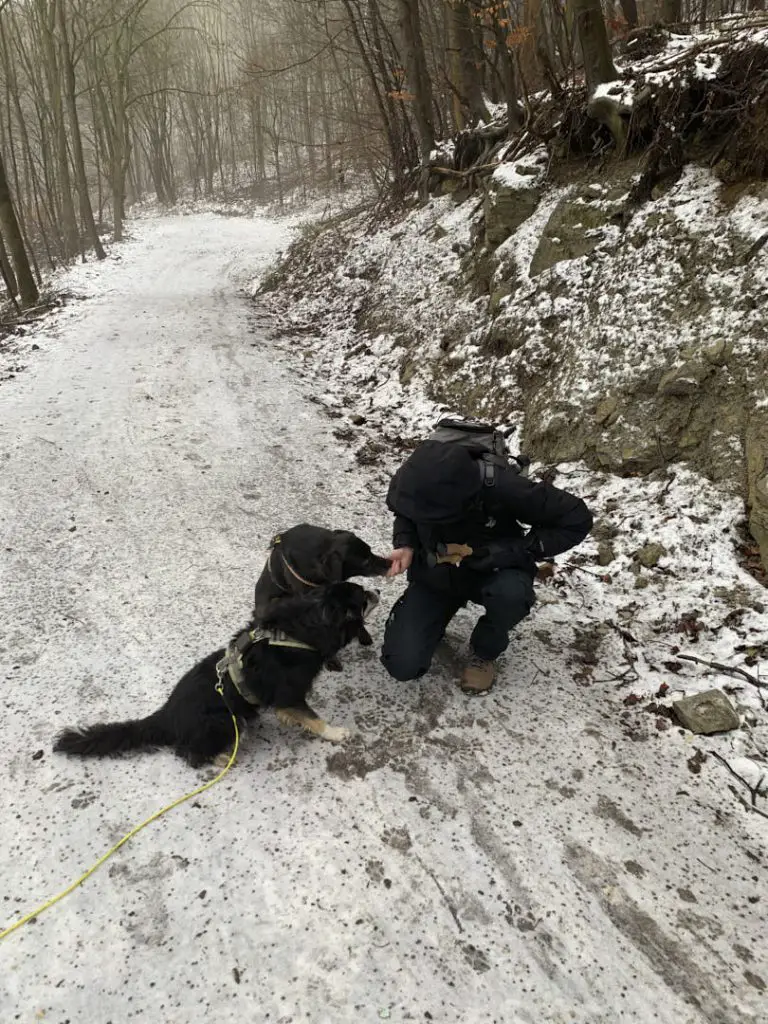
x,y
454,554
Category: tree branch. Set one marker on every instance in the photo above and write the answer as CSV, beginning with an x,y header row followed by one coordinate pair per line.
x,y
173,89
259,72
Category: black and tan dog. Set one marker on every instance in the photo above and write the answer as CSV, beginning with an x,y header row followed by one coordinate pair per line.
x,y
272,663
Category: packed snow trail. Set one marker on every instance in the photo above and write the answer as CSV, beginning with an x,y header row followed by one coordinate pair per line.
x,y
514,859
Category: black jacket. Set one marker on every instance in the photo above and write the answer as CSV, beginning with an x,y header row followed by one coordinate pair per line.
x,y
438,497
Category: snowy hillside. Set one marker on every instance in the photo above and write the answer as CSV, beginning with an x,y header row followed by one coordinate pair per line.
x,y
633,359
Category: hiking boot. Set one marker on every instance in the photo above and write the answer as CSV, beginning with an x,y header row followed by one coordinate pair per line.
x,y
478,676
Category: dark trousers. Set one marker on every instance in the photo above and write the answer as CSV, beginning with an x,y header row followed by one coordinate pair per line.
x,y
419,618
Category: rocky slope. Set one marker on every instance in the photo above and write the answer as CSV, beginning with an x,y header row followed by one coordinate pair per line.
x,y
630,346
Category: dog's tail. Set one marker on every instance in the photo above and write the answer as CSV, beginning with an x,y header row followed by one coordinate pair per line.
x,y
114,737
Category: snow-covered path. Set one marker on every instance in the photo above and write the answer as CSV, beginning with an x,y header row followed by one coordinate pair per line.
x,y
515,859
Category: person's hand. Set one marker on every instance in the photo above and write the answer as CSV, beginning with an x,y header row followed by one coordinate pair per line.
x,y
401,559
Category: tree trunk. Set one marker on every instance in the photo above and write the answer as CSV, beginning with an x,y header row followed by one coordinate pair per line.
x,y
81,180
469,105
309,135
671,12
8,275
120,160
9,227
508,76
546,49
418,77
326,123
596,51
69,227
629,10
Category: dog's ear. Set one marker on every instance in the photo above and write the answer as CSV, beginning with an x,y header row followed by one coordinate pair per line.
x,y
355,605
333,611
341,606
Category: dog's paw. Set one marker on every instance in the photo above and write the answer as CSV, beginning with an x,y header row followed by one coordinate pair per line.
x,y
336,733
333,665
364,638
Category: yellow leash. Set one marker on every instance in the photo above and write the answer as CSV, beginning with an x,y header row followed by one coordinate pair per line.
x,y
134,831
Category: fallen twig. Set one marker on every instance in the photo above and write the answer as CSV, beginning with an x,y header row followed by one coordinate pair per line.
x,y
580,568
441,890
731,670
754,791
629,656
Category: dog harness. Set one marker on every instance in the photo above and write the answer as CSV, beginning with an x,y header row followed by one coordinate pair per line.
x,y
232,662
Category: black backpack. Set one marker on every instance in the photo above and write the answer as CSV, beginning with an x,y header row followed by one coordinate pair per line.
x,y
486,442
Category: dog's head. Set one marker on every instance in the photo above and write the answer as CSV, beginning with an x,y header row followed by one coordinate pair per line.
x,y
349,556
327,618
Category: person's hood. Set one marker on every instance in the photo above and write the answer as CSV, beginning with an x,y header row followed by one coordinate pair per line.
x,y
436,484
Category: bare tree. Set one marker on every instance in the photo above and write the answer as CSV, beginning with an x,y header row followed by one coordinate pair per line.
x,y
469,105
9,228
419,80
590,25
70,93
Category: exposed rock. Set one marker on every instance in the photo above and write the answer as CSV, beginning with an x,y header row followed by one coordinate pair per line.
x,y
504,337
498,294
685,380
649,555
706,713
607,411
506,208
575,228
478,269
719,353
605,553
604,530
699,417
641,582
370,453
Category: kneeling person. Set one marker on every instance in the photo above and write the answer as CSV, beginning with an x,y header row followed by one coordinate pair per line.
x,y
457,533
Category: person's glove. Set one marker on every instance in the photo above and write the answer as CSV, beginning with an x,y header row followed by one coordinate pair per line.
x,y
511,554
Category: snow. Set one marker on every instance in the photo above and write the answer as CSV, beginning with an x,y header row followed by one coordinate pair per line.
x,y
707,66
542,854
619,91
527,173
